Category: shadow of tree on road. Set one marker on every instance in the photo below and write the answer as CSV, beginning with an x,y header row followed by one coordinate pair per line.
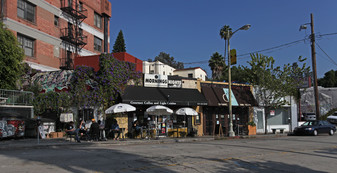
x,y
76,159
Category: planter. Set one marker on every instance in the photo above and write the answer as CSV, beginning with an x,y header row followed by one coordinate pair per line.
x,y
53,134
60,134
251,130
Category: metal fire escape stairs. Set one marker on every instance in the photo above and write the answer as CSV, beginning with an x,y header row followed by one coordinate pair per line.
x,y
72,37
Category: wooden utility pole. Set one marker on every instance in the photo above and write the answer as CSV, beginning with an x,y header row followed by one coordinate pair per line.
x,y
313,55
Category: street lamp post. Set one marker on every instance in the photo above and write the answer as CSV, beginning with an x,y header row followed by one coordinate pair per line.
x,y
231,132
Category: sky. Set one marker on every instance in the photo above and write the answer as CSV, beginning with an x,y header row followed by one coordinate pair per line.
x,y
188,30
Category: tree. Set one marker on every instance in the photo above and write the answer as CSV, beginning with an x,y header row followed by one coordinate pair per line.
x,y
217,65
224,34
329,79
272,83
119,45
11,57
168,60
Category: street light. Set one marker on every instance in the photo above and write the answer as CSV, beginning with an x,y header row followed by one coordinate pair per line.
x,y
231,132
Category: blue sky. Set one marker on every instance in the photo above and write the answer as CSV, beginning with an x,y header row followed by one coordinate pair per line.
x,y
188,30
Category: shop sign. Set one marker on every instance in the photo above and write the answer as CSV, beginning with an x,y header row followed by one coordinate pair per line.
x,y
174,83
66,117
152,103
233,99
155,80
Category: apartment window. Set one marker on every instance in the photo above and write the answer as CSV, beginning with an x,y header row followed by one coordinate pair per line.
x,y
80,6
163,73
190,75
151,71
56,20
26,10
97,20
27,44
98,44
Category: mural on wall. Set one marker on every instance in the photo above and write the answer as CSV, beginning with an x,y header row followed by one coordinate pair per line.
x,y
308,103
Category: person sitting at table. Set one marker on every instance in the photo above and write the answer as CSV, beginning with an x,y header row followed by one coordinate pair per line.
x,y
115,129
71,130
136,128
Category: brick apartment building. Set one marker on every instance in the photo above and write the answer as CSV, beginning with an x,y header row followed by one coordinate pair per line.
x,y
54,32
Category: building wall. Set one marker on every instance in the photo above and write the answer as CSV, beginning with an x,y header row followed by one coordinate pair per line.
x,y
48,47
197,73
93,61
327,100
157,68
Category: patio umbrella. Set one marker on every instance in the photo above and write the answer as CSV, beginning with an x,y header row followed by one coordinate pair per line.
x,y
186,111
159,110
119,108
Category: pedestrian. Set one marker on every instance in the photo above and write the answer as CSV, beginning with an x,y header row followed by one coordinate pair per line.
x,y
94,130
71,130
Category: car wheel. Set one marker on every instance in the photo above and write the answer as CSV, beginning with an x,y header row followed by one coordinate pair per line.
x,y
315,133
331,132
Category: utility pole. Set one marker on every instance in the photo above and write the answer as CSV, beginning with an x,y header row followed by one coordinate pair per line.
x,y
313,55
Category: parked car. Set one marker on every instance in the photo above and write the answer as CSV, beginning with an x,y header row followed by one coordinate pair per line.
x,y
315,127
332,118
309,116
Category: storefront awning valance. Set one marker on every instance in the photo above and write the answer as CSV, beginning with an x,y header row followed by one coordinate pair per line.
x,y
217,95
163,96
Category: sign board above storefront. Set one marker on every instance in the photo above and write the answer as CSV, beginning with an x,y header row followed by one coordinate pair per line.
x,y
174,83
162,81
155,80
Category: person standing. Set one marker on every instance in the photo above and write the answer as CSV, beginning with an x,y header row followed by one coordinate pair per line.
x,y
94,130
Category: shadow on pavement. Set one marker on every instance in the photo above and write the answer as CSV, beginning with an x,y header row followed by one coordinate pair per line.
x,y
75,159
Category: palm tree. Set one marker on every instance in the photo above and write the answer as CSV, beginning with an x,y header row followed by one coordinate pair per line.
x,y
224,35
217,65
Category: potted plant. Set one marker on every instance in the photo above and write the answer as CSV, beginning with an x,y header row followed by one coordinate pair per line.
x,y
251,128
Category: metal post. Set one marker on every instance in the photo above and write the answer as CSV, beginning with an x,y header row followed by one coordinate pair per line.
x,y
231,132
313,54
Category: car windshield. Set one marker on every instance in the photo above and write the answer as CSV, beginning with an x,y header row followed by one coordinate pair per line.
x,y
310,123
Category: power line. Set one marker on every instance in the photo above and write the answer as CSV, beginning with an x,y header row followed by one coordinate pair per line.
x,y
326,54
272,49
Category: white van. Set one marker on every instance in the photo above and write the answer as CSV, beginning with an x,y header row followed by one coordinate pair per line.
x,y
309,116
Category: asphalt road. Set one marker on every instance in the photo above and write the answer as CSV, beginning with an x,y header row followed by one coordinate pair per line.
x,y
277,154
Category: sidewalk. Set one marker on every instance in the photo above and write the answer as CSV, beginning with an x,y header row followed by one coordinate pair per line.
x,y
30,143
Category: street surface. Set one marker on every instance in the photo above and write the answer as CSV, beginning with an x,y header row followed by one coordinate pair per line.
x,y
272,154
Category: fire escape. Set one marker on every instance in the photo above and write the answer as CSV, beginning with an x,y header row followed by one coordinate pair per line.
x,y
72,36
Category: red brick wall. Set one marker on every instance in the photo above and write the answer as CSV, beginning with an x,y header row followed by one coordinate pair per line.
x,y
91,61
44,22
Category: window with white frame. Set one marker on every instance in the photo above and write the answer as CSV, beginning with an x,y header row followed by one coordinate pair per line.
x,y
27,44
97,20
26,10
97,44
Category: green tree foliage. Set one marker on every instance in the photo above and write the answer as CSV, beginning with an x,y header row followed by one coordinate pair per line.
x,y
119,45
273,83
329,79
11,57
168,60
218,66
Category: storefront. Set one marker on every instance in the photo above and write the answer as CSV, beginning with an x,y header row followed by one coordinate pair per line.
x,y
216,116
173,98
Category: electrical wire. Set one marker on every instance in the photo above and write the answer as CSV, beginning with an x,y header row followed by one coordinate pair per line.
x,y
334,62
